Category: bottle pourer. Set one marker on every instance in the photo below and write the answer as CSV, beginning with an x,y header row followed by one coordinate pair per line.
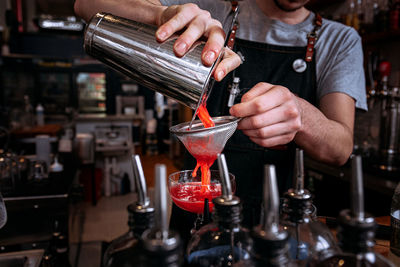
x,y
160,239
141,214
356,228
269,227
298,201
270,241
226,198
143,201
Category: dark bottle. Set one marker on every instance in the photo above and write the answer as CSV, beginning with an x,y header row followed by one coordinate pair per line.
x,y
356,230
310,240
224,242
271,241
159,246
141,218
389,124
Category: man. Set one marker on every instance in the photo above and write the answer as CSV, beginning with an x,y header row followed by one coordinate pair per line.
x,y
289,97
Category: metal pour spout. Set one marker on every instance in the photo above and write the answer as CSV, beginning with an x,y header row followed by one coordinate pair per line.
x,y
299,188
143,199
357,189
161,200
224,174
270,223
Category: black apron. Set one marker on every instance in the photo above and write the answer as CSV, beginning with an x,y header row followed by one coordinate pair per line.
x,y
245,159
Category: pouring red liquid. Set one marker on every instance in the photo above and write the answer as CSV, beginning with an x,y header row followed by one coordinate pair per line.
x,y
190,196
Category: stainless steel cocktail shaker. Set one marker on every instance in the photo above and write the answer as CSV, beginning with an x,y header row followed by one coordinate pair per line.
x,y
131,48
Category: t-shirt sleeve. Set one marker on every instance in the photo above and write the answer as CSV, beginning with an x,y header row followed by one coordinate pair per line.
x,y
342,68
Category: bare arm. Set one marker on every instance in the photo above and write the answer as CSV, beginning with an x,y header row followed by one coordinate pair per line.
x,y
194,22
327,134
273,116
146,11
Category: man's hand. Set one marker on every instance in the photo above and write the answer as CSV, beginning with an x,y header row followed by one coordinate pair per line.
x,y
274,116
195,24
271,115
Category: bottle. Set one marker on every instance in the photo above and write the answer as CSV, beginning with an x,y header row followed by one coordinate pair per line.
x,y
356,230
58,254
39,115
159,246
394,254
224,242
271,241
141,218
310,240
28,117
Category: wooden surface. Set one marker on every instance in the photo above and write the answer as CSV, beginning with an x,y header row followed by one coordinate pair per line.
x,y
48,129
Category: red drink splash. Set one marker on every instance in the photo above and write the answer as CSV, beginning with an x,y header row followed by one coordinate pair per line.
x,y
204,161
204,116
190,196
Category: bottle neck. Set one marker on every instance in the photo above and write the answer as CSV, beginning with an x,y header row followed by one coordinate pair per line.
x,y
228,216
271,252
298,210
139,221
356,236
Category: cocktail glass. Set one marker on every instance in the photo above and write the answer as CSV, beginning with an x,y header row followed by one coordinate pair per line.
x,y
189,194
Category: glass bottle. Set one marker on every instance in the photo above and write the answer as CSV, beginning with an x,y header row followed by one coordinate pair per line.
x,y
141,218
271,241
224,242
310,240
159,246
356,230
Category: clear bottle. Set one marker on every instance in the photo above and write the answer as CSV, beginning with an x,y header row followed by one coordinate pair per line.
x,y
271,241
28,116
141,218
356,230
39,115
224,242
310,240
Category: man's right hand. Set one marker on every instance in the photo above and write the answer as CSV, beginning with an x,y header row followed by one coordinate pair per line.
x,y
194,24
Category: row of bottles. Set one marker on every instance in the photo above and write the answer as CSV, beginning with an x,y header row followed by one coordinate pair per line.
x,y
368,16
290,236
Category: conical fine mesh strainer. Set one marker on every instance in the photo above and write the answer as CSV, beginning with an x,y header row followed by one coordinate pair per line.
x,y
206,142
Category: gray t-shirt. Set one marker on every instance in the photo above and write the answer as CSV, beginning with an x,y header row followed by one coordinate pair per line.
x,y
339,54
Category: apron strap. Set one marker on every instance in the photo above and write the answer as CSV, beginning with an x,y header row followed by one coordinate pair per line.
x,y
232,34
312,37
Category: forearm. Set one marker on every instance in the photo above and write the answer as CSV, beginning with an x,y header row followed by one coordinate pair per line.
x,y
323,139
146,11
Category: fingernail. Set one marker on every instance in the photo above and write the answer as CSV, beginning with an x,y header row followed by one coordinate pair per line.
x,y
181,48
161,34
220,75
210,56
231,111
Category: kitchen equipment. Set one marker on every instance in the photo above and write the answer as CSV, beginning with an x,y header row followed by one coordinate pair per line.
x,y
131,48
43,148
206,142
84,145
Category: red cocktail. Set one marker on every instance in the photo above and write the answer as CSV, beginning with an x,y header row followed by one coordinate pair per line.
x,y
189,194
